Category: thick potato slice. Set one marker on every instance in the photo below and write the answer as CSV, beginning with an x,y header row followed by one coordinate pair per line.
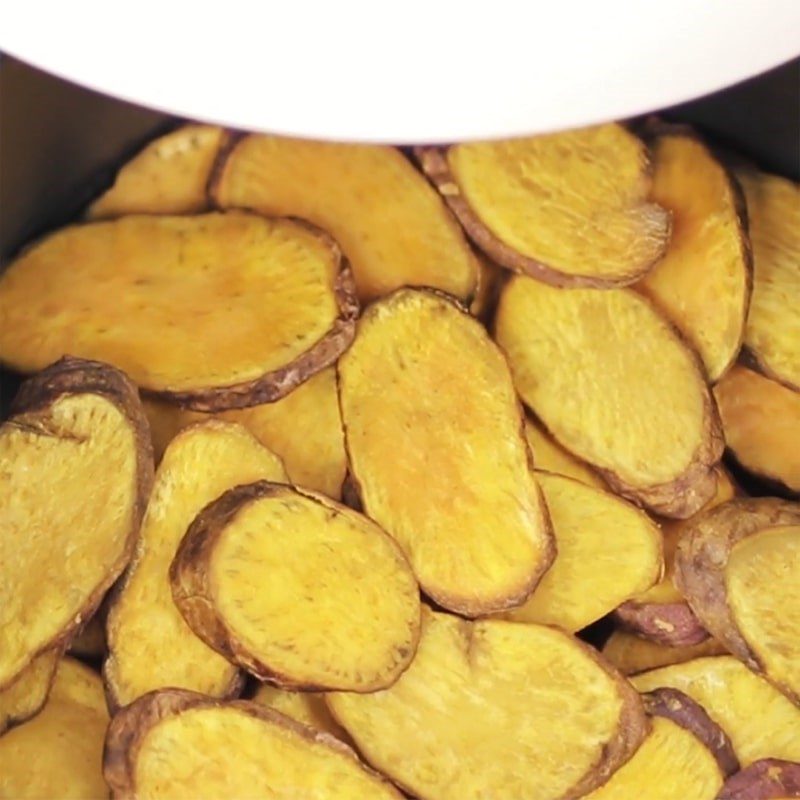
x,y
59,753
306,707
569,209
24,697
608,551
393,228
612,382
216,311
298,590
180,744
702,283
434,434
150,645
631,654
91,641
761,420
77,468
169,176
738,567
767,779
550,456
496,709
304,428
772,335
760,721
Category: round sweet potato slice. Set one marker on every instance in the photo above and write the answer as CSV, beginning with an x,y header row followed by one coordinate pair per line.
x,y
631,654
767,779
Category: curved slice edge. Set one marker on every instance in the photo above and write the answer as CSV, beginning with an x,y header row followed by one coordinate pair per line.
x,y
671,624
766,779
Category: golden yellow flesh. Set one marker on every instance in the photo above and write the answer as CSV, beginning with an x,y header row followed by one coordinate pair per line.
x,y
761,419
306,707
59,752
606,375
759,720
762,577
608,551
434,434
773,322
224,752
550,456
317,593
168,176
575,201
304,428
177,302
487,709
393,227
25,696
52,525
151,645
631,654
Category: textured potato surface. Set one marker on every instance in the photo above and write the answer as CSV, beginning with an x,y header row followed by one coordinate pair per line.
x,y
27,694
607,551
550,456
496,709
631,654
434,434
306,707
392,226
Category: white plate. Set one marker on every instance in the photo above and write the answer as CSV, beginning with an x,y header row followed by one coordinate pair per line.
x,y
404,72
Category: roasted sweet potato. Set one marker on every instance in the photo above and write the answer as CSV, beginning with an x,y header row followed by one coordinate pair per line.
x,y
168,176
306,707
703,281
181,744
738,567
767,779
496,709
612,382
213,312
298,590
434,434
631,654
59,753
607,550
569,209
393,228
150,645
24,697
77,467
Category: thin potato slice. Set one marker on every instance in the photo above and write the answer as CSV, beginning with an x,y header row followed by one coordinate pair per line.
x,y
23,698
613,383
759,720
393,228
767,779
434,434
213,312
569,209
306,707
59,753
180,744
168,176
298,590
150,645
493,709
608,551
631,654
702,283
77,468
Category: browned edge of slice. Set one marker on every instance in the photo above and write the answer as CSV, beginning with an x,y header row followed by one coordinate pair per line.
x,y
765,779
231,138
71,376
670,624
130,726
12,720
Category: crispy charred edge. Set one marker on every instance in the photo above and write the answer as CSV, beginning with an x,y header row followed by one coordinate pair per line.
x,y
765,779
131,726
12,720
192,592
670,624
702,556
75,376
677,707
356,493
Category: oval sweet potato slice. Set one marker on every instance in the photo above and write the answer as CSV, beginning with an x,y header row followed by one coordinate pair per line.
x,y
612,382
306,707
767,779
631,654
23,698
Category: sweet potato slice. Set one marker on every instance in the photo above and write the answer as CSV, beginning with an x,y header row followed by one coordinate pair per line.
x,y
772,335
608,550
306,707
767,779
761,420
59,753
180,744
150,645
169,176
392,226
760,721
434,434
496,709
298,590
612,382
24,697
738,567
78,430
702,283
216,311
631,654
569,209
